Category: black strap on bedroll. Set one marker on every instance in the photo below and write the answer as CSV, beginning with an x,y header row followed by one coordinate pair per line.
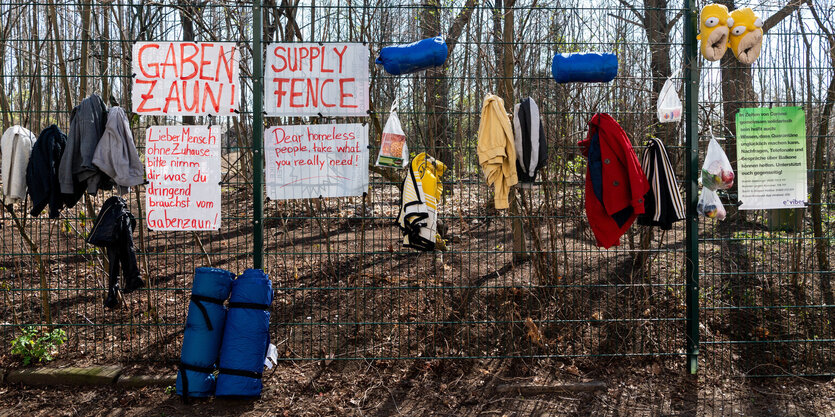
x,y
186,367
238,372
198,301
253,306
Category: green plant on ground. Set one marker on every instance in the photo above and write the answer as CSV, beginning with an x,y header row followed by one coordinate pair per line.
x,y
37,345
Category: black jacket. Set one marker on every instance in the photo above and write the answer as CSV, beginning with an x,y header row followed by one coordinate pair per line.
x,y
42,172
113,230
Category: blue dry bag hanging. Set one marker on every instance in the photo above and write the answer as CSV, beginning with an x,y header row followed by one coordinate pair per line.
x,y
204,331
589,67
414,57
246,336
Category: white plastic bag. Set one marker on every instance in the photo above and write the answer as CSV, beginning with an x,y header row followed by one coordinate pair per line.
x,y
717,173
669,105
393,149
710,205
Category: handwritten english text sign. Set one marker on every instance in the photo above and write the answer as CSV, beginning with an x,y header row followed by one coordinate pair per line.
x,y
186,78
309,161
183,167
308,79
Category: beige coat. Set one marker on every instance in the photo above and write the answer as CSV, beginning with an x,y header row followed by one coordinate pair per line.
x,y
496,151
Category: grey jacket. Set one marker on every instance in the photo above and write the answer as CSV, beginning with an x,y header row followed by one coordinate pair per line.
x,y
76,171
15,148
116,153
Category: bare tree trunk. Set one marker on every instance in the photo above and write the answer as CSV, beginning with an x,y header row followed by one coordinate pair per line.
x,y
188,12
821,166
86,9
62,63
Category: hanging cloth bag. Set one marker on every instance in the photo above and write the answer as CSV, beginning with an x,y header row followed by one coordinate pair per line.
x,y
393,149
669,105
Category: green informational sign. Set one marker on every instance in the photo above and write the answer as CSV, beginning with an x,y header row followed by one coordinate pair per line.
x,y
771,158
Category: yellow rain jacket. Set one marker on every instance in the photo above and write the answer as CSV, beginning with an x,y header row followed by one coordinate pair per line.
x,y
496,151
419,198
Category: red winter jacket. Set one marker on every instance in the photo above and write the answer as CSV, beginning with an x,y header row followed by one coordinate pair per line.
x,y
615,182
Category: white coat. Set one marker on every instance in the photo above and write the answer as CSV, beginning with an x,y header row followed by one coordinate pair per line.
x,y
16,147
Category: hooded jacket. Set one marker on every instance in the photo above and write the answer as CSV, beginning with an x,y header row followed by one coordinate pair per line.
x,y
116,153
615,182
42,173
113,230
76,171
531,144
16,147
496,152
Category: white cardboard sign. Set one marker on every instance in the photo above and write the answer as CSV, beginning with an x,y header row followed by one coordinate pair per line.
x,y
309,161
183,168
186,78
308,79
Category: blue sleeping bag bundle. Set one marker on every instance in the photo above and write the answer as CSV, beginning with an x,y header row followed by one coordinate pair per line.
x,y
204,332
589,67
246,336
414,57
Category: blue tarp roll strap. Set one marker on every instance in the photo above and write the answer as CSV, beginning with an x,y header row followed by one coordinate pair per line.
x,y
413,57
246,336
589,67
204,332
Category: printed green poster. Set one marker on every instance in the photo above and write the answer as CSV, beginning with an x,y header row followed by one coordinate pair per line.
x,y
771,158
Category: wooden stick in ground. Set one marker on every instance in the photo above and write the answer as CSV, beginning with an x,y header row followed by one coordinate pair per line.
x,y
524,389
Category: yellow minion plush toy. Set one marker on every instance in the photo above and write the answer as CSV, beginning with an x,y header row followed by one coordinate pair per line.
x,y
714,28
746,37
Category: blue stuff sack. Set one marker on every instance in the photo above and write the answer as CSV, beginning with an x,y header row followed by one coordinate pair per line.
x,y
414,57
246,336
204,332
589,67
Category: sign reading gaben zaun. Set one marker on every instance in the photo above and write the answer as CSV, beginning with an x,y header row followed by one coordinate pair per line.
x,y
309,79
186,78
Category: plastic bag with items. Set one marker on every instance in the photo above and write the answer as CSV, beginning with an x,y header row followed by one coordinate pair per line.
x,y
710,205
669,105
717,173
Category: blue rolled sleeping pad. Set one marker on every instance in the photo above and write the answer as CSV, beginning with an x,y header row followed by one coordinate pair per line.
x,y
246,336
204,332
414,57
589,67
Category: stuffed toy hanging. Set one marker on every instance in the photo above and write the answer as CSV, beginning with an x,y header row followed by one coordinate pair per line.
x,y
741,30
746,37
714,29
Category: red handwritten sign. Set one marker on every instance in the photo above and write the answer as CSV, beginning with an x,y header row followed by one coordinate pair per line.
x,y
183,166
307,79
316,160
186,78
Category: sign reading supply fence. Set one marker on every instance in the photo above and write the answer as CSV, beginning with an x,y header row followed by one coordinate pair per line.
x,y
309,79
183,168
310,161
771,158
186,78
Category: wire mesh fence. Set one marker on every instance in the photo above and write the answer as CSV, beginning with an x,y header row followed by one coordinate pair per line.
x,y
525,282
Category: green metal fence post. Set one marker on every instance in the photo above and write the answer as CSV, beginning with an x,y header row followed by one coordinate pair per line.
x,y
257,139
691,117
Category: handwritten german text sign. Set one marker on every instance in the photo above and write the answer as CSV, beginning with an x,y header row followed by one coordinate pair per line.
x,y
186,78
183,166
307,79
309,161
